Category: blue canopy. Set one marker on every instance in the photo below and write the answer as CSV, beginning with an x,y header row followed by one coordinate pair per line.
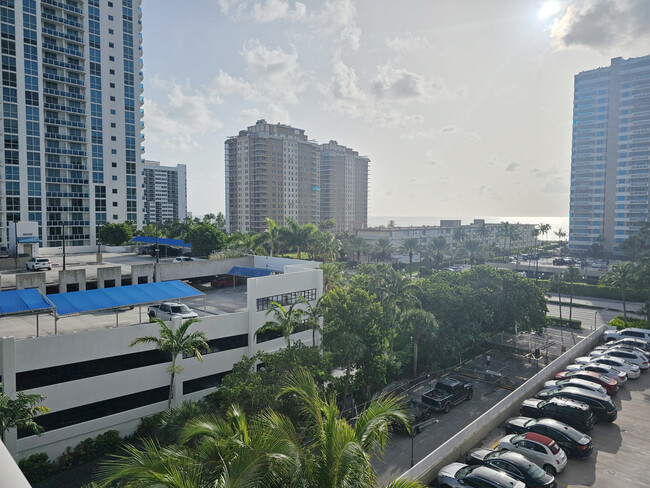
x,y
121,296
249,272
161,240
22,301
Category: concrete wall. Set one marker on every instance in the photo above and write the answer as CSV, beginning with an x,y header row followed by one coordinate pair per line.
x,y
109,273
34,279
71,277
197,269
279,264
138,270
427,469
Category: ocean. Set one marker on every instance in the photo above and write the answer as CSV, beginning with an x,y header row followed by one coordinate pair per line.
x,y
404,221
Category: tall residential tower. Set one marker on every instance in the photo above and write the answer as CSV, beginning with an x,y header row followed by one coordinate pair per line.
x,y
165,192
71,86
610,162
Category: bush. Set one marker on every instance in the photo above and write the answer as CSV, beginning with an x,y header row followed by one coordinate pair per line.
x,y
571,324
37,467
619,323
594,291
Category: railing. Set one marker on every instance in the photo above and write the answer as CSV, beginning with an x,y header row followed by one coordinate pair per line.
x,y
426,470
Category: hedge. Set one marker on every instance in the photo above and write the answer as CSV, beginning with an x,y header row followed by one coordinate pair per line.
x,y
571,324
38,466
619,323
595,291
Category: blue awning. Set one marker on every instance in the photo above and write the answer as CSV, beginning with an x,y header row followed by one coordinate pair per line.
x,y
27,239
23,301
161,240
249,272
121,296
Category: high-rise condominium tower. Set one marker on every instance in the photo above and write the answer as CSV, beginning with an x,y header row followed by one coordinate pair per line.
x,y
271,171
165,192
275,171
71,85
343,186
610,162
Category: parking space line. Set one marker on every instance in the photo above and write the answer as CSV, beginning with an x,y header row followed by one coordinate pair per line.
x,y
494,446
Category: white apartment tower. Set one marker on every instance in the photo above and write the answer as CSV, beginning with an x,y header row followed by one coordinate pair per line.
x,y
165,192
271,171
610,160
71,88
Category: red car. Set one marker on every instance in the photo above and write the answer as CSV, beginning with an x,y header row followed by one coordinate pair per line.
x,y
222,282
610,384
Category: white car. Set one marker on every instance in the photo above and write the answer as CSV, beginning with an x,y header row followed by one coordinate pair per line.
x,y
634,333
628,355
38,263
182,259
630,342
576,382
605,369
597,351
540,449
632,370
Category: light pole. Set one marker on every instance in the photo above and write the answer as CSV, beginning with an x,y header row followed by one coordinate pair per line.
x,y
157,249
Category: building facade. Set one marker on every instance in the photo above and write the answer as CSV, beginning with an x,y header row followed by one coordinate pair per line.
x,y
343,186
275,171
165,192
71,86
610,161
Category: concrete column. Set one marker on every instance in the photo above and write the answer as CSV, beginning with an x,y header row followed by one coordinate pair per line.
x,y
177,399
8,369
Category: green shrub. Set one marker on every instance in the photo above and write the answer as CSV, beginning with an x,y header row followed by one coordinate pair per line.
x,y
37,467
571,324
595,291
619,323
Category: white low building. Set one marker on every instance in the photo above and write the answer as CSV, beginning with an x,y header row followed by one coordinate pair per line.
x,y
94,382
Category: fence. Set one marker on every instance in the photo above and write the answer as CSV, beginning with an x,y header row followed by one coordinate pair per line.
x,y
427,469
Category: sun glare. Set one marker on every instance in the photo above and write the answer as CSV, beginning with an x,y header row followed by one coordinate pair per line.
x,y
548,9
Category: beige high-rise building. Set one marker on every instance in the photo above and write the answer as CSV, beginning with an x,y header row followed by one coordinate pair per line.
x,y
343,186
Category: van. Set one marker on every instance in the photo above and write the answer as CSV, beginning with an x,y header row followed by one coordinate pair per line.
x,y
601,405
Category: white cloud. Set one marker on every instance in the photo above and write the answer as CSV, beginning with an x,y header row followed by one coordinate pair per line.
x,y
186,113
430,133
273,76
262,11
602,24
408,43
512,165
391,82
272,113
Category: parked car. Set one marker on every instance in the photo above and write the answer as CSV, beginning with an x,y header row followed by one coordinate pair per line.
x,y
540,449
559,262
610,384
632,370
572,412
632,332
618,375
514,465
574,442
165,251
223,281
578,383
169,310
600,350
630,342
38,263
182,259
447,392
459,475
601,405
628,355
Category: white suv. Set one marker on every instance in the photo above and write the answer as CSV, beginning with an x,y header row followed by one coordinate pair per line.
x,y
38,263
635,333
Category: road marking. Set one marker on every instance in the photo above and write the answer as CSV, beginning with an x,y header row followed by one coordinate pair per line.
x,y
494,446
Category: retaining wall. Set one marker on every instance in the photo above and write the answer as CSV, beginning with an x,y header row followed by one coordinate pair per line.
x,y
426,470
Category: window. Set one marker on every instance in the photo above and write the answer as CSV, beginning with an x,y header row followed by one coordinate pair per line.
x,y
285,299
110,17
111,58
111,71
115,204
114,164
114,190
113,138
114,178
111,44
113,125
114,217
112,99
111,31
112,85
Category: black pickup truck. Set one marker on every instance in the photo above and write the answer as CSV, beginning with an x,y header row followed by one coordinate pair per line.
x,y
447,392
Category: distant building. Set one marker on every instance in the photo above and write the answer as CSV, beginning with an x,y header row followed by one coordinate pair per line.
x,y
488,234
275,171
610,160
165,192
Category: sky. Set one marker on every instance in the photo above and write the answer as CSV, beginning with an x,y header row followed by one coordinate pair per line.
x,y
464,107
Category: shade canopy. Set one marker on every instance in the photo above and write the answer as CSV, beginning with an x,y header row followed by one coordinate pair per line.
x,y
23,301
161,240
249,272
121,296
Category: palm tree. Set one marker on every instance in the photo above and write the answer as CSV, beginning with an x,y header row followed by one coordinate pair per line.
x,y
558,283
384,249
312,316
272,235
483,232
504,231
438,248
473,249
460,235
572,274
20,412
176,342
419,322
560,233
544,229
286,320
298,236
410,246
620,276
332,275
358,245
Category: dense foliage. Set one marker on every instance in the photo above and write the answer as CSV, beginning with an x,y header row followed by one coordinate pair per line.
x,y
116,234
620,323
